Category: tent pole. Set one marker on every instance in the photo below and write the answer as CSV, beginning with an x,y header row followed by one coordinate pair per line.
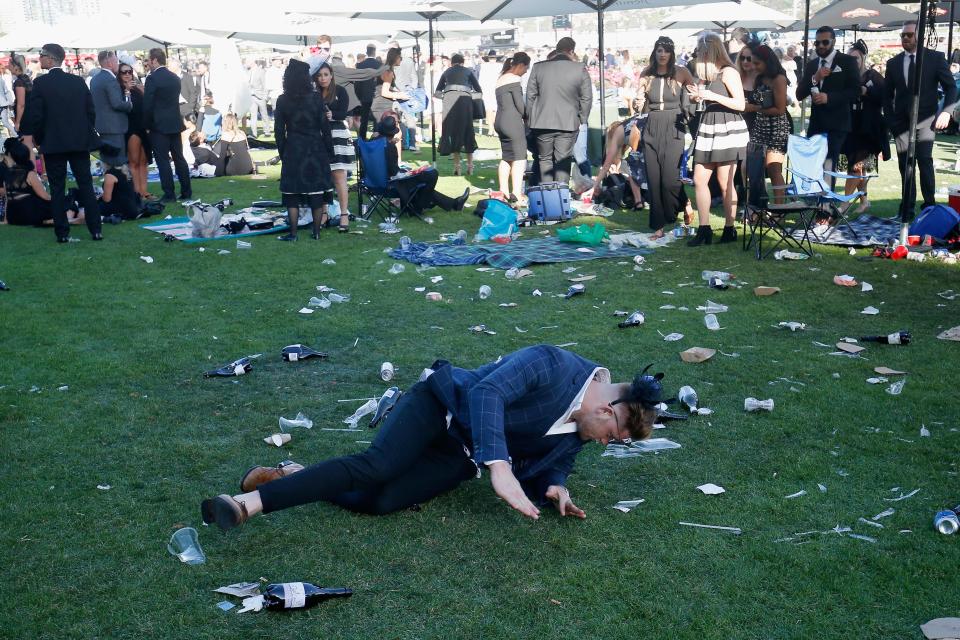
x,y
433,106
601,58
950,34
806,53
909,190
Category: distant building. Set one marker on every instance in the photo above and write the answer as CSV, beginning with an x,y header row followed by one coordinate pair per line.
x,y
53,11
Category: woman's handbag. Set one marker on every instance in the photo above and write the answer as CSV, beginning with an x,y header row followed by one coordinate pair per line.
x,y
479,109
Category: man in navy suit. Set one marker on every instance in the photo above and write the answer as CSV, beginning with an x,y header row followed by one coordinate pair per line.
x,y
161,114
59,118
112,105
930,117
523,418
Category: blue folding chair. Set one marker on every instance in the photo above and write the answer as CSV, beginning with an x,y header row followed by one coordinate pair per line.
x,y
376,184
810,183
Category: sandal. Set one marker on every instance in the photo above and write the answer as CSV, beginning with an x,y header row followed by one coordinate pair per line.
x,y
224,510
343,229
457,169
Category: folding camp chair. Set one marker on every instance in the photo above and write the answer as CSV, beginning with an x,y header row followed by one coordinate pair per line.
x,y
810,182
374,183
766,221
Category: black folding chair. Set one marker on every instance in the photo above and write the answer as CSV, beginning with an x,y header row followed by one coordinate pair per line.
x,y
374,183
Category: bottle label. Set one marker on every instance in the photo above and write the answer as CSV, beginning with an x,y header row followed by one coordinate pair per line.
x,y
292,356
239,370
294,595
893,338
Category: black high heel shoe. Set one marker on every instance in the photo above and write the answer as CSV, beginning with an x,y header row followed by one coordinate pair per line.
x,y
729,235
704,236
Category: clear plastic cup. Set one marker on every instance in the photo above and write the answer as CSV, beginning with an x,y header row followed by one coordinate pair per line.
x,y
185,545
485,292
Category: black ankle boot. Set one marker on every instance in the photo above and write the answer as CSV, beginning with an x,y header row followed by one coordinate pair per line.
x,y
729,235
704,236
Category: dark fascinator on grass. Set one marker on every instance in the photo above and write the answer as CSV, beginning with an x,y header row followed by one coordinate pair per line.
x,y
646,390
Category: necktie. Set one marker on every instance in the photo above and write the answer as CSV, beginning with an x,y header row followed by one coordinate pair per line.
x,y
911,71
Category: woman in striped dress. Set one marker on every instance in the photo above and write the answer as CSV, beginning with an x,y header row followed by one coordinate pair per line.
x,y
721,135
344,156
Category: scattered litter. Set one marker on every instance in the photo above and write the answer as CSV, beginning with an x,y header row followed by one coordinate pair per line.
x,y
626,505
574,290
436,279
278,439
634,449
667,307
849,348
950,334
396,268
639,260
697,354
225,605
710,320
185,545
370,406
568,270
537,293
897,387
565,345
507,305
419,289
481,328
765,291
582,279
713,307
434,296
516,274
321,302
240,589
903,496
860,537
845,281
223,252
687,396
519,330
672,337
879,380
339,297
734,530
948,294
884,514
147,259
941,628
870,522
322,288
255,603
485,292
752,404
870,311
585,250
822,487
305,311
865,287
783,254
704,411
802,492
64,388
887,371
924,432
329,261
668,293
711,489
300,421
242,244
793,326
104,487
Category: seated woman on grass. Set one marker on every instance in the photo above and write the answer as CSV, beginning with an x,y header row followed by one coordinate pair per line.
x,y
28,203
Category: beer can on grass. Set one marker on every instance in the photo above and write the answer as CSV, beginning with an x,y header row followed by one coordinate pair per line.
x,y
386,372
946,522
679,231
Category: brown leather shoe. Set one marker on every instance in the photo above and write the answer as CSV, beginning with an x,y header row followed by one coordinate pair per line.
x,y
257,476
225,511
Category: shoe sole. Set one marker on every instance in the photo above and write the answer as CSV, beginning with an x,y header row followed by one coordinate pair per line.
x,y
225,513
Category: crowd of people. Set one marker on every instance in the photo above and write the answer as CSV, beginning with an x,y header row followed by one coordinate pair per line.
x,y
730,96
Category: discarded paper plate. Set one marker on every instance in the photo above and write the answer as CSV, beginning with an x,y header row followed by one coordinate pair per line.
x,y
765,291
887,371
870,311
711,489
845,281
697,354
849,348
941,628
582,279
672,337
278,439
951,334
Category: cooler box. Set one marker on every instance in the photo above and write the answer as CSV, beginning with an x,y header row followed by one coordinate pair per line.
x,y
954,198
549,202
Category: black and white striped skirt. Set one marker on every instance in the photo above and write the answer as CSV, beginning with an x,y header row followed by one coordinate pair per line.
x,y
721,137
344,157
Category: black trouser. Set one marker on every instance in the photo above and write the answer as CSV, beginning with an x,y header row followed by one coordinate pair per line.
x,y
164,145
555,151
427,196
412,459
56,165
835,140
924,153
366,118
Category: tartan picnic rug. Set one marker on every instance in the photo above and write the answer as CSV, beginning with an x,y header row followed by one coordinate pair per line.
x,y
181,229
864,231
518,253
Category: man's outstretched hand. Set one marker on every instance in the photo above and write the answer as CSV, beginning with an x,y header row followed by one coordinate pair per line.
x,y
506,486
560,497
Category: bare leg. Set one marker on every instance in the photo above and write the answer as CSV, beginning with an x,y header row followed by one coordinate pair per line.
x,y
319,219
775,172
343,195
517,169
701,182
503,176
456,163
469,164
725,173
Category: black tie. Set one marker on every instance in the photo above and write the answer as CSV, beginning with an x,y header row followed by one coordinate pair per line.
x,y
910,72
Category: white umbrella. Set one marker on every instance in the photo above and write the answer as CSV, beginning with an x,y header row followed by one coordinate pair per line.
x,y
726,15
117,31
506,9
27,36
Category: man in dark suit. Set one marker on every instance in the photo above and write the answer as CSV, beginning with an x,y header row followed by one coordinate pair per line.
x,y
523,418
896,109
190,90
59,118
559,96
832,80
365,89
112,104
161,114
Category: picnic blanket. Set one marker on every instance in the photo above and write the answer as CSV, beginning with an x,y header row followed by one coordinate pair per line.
x,y
181,229
870,230
518,253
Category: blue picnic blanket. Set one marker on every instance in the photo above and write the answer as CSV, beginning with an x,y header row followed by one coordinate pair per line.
x,y
181,229
518,253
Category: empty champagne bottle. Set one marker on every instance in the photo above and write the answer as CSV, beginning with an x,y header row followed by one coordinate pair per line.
x,y
300,595
295,352
635,319
900,337
688,397
723,275
3,286
235,368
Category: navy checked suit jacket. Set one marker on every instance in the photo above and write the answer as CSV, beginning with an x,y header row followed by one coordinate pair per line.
x,y
502,410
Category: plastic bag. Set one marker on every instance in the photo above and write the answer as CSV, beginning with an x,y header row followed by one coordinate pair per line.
x,y
205,220
498,220
591,234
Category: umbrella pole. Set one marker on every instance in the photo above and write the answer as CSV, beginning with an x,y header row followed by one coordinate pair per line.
x,y
909,174
806,52
433,106
601,56
950,34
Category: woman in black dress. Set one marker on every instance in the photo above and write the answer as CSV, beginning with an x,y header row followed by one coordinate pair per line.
x,y
138,149
509,125
771,125
234,148
303,138
457,86
868,138
118,197
28,203
386,93
661,89
344,157
21,87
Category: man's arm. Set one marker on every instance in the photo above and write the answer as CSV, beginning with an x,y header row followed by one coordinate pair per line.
x,y
586,96
805,82
889,92
116,98
533,87
851,82
949,87
149,96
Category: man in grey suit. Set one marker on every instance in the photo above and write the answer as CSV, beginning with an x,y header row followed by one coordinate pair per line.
x,y
112,104
559,95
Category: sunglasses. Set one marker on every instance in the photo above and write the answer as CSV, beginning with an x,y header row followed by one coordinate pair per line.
x,y
127,72
747,58
907,34
823,43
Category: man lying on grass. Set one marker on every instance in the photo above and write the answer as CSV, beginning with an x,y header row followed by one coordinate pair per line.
x,y
524,418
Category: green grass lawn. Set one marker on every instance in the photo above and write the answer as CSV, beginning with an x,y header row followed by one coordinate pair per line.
x,y
131,341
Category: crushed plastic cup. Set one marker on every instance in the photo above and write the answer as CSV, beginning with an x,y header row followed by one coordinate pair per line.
x,y
711,321
321,302
687,396
752,404
512,274
300,421
397,268
339,297
784,254
485,292
370,406
405,242
185,545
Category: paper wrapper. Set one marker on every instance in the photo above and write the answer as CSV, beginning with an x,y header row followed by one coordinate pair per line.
x,y
697,354
845,281
278,439
951,334
849,348
887,371
765,291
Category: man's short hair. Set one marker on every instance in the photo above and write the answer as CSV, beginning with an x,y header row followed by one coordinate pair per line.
x,y
324,38
826,29
159,55
739,34
372,50
103,56
53,51
566,45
